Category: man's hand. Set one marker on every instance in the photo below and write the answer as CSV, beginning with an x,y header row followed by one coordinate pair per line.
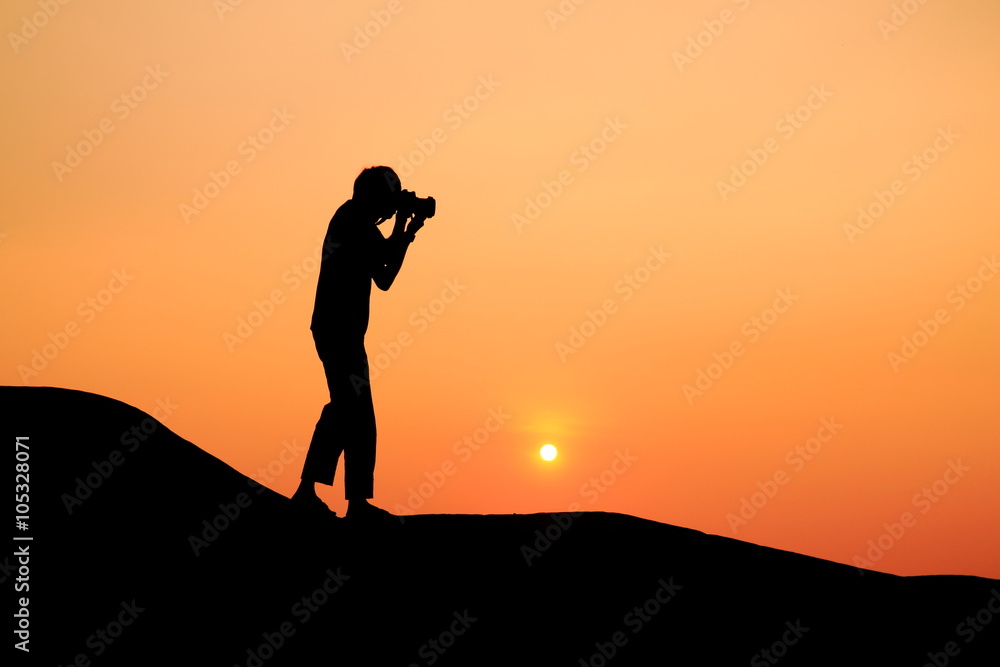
x,y
394,249
416,222
400,224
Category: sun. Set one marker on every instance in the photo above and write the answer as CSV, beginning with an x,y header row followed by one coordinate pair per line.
x,y
548,452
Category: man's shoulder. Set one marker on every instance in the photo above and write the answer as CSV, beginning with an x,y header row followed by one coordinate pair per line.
x,y
344,214
343,224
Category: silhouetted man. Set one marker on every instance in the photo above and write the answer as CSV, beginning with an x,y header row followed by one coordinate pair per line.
x,y
355,254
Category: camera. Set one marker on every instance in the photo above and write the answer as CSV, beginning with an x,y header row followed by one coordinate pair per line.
x,y
411,204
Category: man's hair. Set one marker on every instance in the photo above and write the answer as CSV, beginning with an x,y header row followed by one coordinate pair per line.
x,y
376,184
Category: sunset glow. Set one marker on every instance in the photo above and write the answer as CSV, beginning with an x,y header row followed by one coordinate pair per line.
x,y
738,259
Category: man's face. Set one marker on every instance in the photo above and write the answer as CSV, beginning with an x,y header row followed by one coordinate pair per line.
x,y
389,206
391,203
384,207
386,204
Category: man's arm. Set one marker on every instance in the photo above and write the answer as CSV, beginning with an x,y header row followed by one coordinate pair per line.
x,y
387,268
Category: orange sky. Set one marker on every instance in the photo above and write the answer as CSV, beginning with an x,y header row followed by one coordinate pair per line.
x,y
648,250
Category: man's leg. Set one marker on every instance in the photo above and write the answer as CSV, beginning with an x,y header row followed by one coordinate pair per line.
x,y
324,448
359,448
327,442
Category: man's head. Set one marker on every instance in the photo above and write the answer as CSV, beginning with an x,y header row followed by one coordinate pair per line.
x,y
376,190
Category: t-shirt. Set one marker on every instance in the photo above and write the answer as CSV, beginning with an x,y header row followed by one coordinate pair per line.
x,y
352,250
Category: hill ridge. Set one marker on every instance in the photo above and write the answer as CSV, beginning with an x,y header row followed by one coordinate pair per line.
x,y
230,566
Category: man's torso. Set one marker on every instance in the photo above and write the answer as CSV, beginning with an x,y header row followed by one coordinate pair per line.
x,y
351,249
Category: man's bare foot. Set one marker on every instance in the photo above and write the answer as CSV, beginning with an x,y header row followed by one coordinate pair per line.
x,y
364,510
